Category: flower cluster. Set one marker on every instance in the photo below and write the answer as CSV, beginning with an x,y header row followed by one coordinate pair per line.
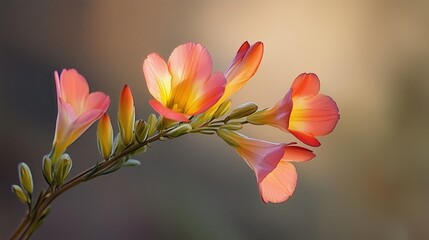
x,y
189,98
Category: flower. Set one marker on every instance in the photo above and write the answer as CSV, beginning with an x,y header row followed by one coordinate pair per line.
x,y
105,136
276,177
303,111
185,86
77,109
126,115
242,68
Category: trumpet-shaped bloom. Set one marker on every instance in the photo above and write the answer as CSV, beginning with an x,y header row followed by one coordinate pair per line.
x,y
242,68
126,115
77,109
303,111
185,85
276,177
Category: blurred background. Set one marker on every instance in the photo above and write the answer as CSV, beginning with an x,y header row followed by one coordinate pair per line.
x,y
370,177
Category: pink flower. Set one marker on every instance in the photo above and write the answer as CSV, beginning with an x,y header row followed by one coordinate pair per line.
x,y
185,85
77,109
303,111
275,175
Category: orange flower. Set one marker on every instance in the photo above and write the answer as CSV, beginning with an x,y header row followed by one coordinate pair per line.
x,y
77,110
185,86
303,111
275,175
242,68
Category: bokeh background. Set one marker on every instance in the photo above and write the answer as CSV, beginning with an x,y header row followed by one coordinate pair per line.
x,y
370,177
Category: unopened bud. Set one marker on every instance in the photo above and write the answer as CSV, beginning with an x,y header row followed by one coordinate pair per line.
x,y
63,169
126,115
20,194
234,126
105,136
243,110
222,109
141,130
47,169
227,136
180,130
25,177
152,123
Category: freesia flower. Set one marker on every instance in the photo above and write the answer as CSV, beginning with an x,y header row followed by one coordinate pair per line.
x,y
185,85
275,175
77,110
126,115
242,68
303,111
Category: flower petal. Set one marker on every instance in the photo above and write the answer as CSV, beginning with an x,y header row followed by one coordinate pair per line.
x,y
74,89
315,116
206,95
306,138
243,67
297,154
189,62
306,84
97,100
280,184
158,78
168,113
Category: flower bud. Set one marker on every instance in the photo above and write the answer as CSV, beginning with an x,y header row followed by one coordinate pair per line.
x,y
47,169
222,109
243,110
126,115
20,194
63,169
25,177
234,126
228,136
179,130
152,123
105,136
141,130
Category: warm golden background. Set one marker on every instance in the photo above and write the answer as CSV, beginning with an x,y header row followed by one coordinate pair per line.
x,y
370,177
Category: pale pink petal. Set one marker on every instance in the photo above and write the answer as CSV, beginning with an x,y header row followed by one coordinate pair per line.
x,y
97,100
74,88
158,78
280,184
168,113
207,95
82,123
305,85
297,154
189,62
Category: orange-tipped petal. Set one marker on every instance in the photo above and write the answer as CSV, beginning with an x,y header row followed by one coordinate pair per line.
x,y
158,78
280,184
306,138
306,84
297,154
168,113
243,67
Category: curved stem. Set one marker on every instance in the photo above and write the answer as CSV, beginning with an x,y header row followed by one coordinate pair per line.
x,y
30,222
